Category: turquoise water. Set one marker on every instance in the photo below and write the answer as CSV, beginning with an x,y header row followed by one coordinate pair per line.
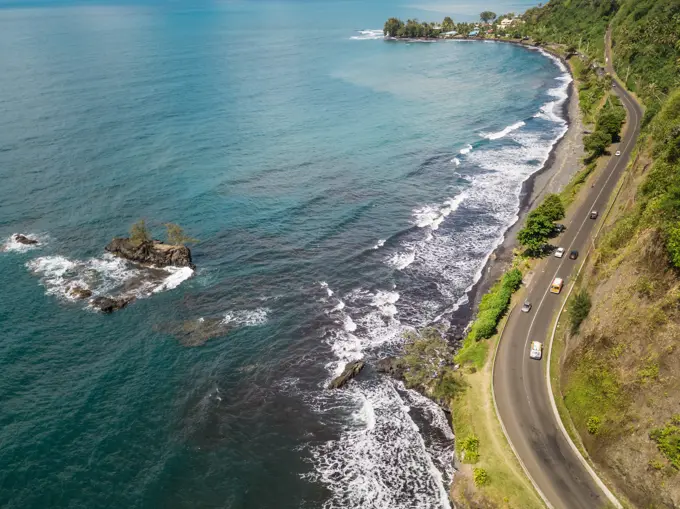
x,y
343,188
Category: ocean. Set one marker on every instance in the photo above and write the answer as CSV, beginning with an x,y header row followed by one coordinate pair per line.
x,y
344,189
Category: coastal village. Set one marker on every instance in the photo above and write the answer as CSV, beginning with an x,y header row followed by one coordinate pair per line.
x,y
491,26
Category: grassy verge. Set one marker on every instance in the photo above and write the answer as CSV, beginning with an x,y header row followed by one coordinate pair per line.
x,y
490,475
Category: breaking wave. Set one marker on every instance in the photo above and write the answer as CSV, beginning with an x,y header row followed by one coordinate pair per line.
x,y
105,276
504,132
368,35
11,244
246,317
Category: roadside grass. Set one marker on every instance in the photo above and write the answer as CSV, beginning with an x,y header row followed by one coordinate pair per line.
x,y
473,415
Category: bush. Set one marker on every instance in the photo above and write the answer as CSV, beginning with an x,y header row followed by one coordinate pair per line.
x,y
175,235
480,476
470,448
139,233
667,440
579,309
593,425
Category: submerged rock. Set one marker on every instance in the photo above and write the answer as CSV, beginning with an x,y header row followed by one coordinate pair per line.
x,y
393,366
78,292
197,332
351,370
110,304
151,253
23,239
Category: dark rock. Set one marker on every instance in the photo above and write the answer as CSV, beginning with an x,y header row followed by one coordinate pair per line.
x,y
351,370
151,253
110,304
78,292
197,332
23,239
393,366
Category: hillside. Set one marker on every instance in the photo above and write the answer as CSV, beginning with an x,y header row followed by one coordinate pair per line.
x,y
619,375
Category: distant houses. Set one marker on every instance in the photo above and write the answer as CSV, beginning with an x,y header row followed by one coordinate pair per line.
x,y
474,33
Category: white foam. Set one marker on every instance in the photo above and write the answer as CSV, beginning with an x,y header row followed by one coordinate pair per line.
x,y
433,215
246,317
368,35
324,285
466,150
379,244
176,277
402,260
456,161
105,276
12,245
504,132
349,324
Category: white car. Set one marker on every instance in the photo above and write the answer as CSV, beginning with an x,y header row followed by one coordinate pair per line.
x,y
618,152
536,351
559,253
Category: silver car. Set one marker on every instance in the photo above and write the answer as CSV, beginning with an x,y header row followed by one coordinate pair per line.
x,y
526,307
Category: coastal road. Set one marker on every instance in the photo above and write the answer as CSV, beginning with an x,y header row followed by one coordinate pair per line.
x,y
519,382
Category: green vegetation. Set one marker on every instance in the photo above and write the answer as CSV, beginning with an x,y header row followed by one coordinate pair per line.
x,y
481,476
579,309
540,225
428,364
470,449
667,440
593,424
608,126
487,16
491,309
175,235
580,24
411,29
139,233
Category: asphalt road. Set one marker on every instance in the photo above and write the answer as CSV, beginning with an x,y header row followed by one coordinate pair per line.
x,y
519,382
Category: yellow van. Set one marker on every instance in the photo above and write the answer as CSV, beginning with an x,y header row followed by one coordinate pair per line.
x,y
556,286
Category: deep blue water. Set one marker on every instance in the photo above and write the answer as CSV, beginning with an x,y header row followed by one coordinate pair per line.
x,y
321,169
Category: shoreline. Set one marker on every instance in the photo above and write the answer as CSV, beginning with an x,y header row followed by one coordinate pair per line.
x,y
562,163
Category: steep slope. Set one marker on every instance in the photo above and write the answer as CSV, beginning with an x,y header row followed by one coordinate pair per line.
x,y
620,370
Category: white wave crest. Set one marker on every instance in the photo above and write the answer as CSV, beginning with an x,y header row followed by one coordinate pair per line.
x,y
246,317
11,244
379,244
368,35
456,161
504,132
105,276
466,150
402,260
433,215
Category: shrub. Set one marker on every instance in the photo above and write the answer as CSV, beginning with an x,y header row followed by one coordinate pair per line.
x,y
480,476
593,425
667,440
579,309
139,233
175,235
470,448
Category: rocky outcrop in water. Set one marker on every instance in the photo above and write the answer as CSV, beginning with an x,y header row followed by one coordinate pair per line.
x,y
23,239
78,292
151,253
392,366
110,304
351,370
197,332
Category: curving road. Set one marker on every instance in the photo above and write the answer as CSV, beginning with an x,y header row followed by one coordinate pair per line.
x,y
519,382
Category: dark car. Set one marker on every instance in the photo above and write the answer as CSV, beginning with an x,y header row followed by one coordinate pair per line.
x,y
573,255
559,228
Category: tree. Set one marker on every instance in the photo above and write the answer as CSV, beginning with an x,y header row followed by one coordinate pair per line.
x,y
552,207
487,16
392,27
535,232
579,309
597,143
139,233
447,24
175,235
